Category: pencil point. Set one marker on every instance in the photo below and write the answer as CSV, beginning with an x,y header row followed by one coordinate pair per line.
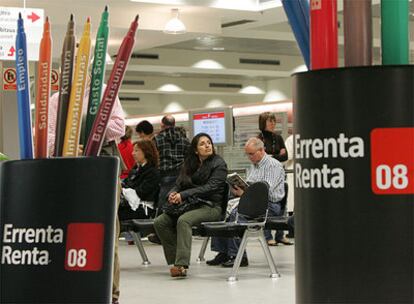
x,y
136,18
47,19
88,20
71,17
20,15
106,8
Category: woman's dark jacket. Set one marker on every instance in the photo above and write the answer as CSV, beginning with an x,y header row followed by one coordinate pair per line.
x,y
145,180
273,144
208,182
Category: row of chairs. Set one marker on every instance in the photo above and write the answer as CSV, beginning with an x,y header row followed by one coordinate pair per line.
x,y
253,206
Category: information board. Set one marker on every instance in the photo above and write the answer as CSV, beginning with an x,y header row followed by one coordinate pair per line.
x,y
218,123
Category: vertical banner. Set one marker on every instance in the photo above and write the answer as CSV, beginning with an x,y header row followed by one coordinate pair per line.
x,y
354,185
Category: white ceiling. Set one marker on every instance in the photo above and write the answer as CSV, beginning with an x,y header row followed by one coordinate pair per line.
x,y
184,59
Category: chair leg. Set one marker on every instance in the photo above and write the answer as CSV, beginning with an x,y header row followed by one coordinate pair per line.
x,y
138,243
235,269
274,273
203,250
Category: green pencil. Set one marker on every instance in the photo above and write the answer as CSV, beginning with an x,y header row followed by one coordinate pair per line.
x,y
98,72
394,31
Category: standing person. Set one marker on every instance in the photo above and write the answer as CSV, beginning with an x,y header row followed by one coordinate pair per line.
x,y
114,131
274,143
172,146
125,149
263,169
145,129
203,176
275,147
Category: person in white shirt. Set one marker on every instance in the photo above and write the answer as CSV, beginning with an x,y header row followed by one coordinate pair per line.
x,y
263,168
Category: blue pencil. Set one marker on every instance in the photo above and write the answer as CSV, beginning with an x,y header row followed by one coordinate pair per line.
x,y
23,94
297,12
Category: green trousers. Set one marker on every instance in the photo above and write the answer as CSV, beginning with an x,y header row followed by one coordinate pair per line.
x,y
176,234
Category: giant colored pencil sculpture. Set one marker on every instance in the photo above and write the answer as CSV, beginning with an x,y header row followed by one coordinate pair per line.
x,y
66,59
394,32
23,94
42,93
96,137
358,32
298,15
73,123
323,34
98,72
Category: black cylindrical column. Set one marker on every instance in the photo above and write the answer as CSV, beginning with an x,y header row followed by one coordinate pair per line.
x,y
57,230
354,185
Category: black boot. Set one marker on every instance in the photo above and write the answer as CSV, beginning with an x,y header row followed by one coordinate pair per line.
x,y
219,259
230,263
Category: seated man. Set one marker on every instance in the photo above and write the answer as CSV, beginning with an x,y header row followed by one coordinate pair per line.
x,y
263,168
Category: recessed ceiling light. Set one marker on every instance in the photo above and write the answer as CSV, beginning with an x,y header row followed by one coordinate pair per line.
x,y
169,87
208,64
201,48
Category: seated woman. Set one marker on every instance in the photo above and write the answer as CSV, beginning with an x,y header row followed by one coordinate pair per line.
x,y
144,178
202,177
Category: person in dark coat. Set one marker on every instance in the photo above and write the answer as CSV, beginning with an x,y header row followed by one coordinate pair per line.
x,y
144,178
203,177
274,143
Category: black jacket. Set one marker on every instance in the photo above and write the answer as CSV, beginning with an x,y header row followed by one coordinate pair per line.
x,y
273,144
208,182
145,180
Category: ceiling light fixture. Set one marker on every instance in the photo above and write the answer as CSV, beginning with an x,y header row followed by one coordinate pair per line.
x,y
175,26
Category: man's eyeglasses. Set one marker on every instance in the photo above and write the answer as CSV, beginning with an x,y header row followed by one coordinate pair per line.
x,y
251,153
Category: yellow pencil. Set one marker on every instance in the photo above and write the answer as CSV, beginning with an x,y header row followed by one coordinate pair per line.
x,y
74,120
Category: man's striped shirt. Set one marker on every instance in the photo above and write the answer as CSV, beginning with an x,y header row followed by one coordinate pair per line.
x,y
271,171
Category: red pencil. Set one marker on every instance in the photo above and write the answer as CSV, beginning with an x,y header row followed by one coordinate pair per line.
x,y
323,34
42,92
96,137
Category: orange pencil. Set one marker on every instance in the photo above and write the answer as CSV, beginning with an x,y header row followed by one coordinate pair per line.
x,y
42,92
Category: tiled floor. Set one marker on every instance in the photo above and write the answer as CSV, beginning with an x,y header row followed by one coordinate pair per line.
x,y
206,284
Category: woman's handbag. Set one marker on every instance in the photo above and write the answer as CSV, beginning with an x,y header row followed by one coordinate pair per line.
x,y
190,203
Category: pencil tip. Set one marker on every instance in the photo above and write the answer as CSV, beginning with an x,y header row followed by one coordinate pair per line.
x,y
20,15
47,19
88,20
71,17
106,8
136,18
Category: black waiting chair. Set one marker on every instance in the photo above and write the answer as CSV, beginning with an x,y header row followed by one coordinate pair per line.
x,y
139,228
199,230
253,206
143,227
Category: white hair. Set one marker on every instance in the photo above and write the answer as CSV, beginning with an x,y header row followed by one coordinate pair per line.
x,y
255,142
